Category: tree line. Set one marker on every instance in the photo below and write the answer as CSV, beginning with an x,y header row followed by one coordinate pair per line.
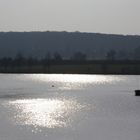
x,y
20,60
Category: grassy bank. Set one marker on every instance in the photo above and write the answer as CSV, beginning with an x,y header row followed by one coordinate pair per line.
x,y
77,67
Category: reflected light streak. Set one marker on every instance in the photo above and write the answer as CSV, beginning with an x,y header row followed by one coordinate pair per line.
x,y
75,78
48,113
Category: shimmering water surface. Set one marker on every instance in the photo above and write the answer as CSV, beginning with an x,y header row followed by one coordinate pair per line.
x,y
69,107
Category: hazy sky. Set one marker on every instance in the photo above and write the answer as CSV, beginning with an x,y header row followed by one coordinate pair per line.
x,y
106,16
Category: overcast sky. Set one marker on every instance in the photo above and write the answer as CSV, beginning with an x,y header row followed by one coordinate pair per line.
x,y
104,16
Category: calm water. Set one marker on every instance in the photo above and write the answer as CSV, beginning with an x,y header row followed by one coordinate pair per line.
x,y
69,107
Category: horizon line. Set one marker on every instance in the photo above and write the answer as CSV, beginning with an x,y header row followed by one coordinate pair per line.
x,y
103,33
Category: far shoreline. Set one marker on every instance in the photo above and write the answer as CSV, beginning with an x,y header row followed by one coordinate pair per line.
x,y
105,67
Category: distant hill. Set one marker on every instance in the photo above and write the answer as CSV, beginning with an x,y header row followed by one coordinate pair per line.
x,y
94,45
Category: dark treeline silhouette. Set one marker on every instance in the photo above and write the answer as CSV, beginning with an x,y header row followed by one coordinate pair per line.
x,y
21,60
77,64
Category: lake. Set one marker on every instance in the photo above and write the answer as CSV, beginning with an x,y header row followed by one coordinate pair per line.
x,y
69,107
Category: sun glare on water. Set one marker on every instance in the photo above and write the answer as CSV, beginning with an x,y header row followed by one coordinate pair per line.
x,y
50,113
55,111
74,78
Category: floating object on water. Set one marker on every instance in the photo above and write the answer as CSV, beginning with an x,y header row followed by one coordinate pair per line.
x,y
137,92
52,85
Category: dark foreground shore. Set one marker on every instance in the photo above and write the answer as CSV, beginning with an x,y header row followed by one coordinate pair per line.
x,y
76,67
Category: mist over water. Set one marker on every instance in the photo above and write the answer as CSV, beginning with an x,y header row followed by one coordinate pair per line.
x,y
72,107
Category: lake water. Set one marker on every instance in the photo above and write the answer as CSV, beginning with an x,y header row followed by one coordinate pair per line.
x,y
69,107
